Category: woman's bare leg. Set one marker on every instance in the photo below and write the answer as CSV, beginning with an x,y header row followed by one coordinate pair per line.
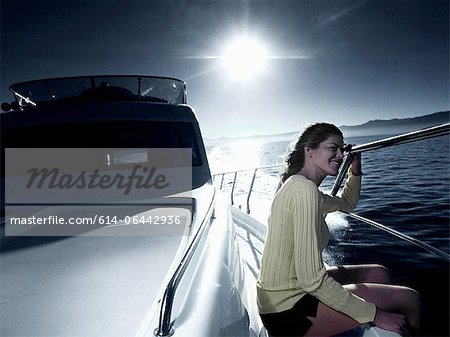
x,y
363,273
329,322
392,298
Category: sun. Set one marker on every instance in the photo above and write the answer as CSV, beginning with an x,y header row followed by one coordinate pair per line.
x,y
245,58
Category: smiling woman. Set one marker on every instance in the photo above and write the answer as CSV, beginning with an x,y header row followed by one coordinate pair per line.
x,y
244,58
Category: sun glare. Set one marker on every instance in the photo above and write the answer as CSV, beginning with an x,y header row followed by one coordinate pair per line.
x,y
244,58
242,154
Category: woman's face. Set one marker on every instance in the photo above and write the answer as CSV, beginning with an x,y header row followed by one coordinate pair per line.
x,y
327,157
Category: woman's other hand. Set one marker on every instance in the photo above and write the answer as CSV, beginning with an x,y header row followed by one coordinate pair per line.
x,y
390,321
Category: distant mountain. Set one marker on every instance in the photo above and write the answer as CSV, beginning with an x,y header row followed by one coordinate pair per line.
x,y
287,136
395,126
375,127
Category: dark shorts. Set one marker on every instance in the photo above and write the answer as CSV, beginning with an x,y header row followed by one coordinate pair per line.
x,y
292,322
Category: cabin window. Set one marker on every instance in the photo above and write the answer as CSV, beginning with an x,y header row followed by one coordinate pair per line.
x,y
134,136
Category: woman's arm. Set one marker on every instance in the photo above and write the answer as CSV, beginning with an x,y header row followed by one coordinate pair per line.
x,y
348,199
309,267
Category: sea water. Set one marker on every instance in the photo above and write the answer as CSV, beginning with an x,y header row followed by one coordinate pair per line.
x,y
405,187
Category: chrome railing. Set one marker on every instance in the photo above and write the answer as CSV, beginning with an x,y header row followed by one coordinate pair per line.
x,y
435,251
165,327
233,183
371,146
387,142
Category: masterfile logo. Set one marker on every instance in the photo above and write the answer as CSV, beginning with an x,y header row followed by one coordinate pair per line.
x,y
74,175
97,191
140,177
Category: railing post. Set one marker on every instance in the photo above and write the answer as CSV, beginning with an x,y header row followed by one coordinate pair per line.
x,y
165,328
232,188
250,190
221,181
344,168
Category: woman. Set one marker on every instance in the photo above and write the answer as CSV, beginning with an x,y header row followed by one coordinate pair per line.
x,y
297,295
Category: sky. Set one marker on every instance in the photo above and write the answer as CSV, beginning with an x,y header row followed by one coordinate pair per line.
x,y
297,62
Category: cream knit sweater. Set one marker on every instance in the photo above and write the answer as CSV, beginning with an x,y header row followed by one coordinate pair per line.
x,y
292,262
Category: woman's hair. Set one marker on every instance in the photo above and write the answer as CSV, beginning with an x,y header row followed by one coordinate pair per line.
x,y
311,137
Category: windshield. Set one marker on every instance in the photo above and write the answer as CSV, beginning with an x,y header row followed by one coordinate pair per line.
x,y
145,88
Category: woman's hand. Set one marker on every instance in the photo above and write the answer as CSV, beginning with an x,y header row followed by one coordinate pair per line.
x,y
390,321
356,164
